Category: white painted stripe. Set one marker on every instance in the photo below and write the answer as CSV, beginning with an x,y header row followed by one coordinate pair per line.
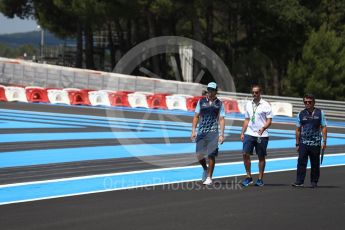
x,y
142,186
146,171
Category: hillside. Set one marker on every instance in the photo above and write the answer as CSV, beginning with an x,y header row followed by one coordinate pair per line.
x,y
33,38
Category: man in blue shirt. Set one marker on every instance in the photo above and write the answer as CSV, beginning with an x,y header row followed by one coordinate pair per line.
x,y
209,114
310,123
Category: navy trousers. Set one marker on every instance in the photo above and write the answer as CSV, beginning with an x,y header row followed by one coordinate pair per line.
x,y
313,152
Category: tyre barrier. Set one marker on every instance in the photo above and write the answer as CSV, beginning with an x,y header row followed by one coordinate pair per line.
x,y
177,102
58,96
119,98
36,94
100,97
78,96
3,93
74,96
157,101
281,109
138,99
230,105
15,93
192,102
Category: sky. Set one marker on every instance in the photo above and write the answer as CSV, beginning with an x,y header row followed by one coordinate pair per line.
x,y
15,25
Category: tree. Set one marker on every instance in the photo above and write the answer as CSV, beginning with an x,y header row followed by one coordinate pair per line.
x,y
20,8
277,28
321,70
18,52
257,39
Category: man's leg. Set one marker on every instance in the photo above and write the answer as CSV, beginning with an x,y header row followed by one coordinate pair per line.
x,y
261,151
200,152
315,164
212,150
211,164
203,162
248,147
301,164
247,164
262,164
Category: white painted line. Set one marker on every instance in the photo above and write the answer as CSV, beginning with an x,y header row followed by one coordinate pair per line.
x,y
145,171
142,186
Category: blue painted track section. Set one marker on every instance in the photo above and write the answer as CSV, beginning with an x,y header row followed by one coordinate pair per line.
x,y
123,129
101,183
130,128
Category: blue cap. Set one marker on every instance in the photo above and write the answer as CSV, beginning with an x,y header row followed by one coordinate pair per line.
x,y
212,85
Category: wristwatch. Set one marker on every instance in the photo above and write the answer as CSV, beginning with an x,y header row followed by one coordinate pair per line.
x,y
297,144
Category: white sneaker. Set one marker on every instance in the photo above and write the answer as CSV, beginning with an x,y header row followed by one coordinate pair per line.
x,y
208,181
204,175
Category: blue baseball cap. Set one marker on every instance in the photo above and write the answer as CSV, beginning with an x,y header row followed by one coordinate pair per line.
x,y
212,85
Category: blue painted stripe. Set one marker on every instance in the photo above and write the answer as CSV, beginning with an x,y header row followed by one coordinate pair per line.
x,y
90,135
36,123
291,120
101,183
83,124
140,133
82,118
25,125
99,121
341,135
142,110
130,122
37,157
189,113
94,122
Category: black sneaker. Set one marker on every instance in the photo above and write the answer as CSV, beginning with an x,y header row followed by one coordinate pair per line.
x,y
297,184
313,184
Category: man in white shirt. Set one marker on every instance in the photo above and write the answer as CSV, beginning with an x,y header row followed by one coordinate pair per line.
x,y
258,117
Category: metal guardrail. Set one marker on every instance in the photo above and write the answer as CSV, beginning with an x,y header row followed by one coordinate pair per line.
x,y
334,110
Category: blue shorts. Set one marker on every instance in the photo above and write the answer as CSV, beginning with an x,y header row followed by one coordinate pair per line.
x,y
251,142
207,144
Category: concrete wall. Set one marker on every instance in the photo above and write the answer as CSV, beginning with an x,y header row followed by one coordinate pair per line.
x,y
19,72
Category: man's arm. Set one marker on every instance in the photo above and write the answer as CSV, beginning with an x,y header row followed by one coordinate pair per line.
x,y
221,121
324,137
324,130
267,124
298,131
244,127
245,122
195,121
194,124
222,127
298,136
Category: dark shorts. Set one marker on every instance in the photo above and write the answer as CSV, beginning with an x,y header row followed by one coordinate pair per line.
x,y
251,142
207,144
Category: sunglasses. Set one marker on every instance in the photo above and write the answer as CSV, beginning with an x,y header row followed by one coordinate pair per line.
x,y
308,102
255,92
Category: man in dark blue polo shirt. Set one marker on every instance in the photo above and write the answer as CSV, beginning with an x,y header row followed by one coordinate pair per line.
x,y
311,122
209,114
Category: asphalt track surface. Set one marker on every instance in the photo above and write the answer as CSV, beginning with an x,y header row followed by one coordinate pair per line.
x,y
185,205
277,205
